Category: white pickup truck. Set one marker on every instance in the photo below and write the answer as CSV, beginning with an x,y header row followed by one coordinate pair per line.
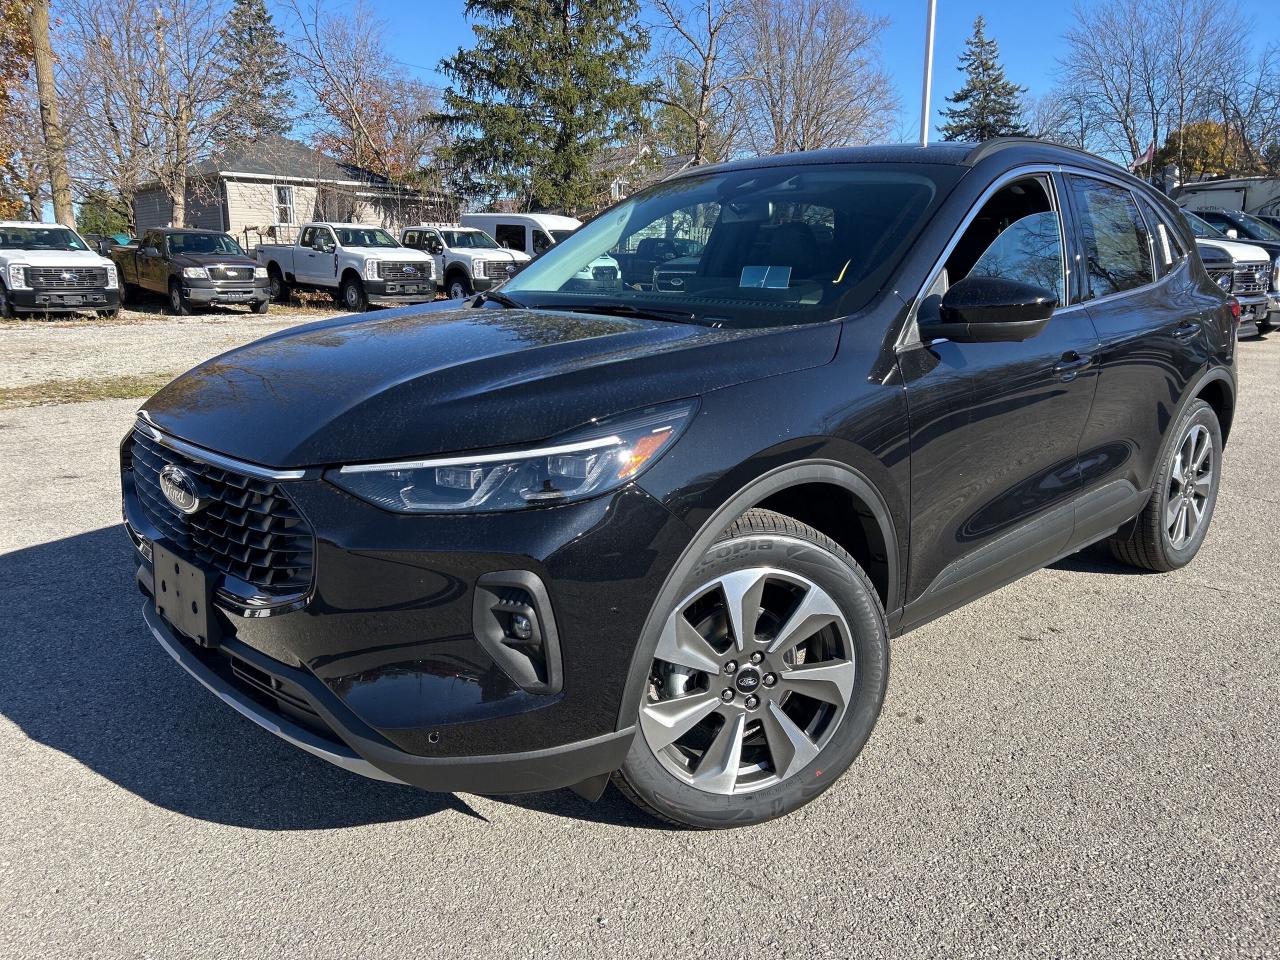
x,y
48,268
360,265
467,260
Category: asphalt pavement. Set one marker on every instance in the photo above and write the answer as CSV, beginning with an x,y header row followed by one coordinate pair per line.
x,y
1083,764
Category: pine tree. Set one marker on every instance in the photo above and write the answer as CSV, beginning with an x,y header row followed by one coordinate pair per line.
x,y
988,105
260,102
530,108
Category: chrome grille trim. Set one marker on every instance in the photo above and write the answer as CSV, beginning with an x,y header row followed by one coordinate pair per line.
x,y
50,278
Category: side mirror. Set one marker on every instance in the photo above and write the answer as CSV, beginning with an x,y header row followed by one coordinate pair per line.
x,y
991,310
1233,233
434,246
319,247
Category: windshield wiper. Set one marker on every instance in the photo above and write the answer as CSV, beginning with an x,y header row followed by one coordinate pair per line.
x,y
623,310
498,296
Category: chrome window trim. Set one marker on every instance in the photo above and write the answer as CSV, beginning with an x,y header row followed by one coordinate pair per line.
x,y
909,338
148,427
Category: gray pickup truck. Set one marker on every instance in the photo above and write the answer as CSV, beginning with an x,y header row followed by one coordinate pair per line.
x,y
191,268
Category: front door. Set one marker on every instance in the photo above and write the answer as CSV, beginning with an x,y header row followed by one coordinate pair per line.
x,y
995,427
317,257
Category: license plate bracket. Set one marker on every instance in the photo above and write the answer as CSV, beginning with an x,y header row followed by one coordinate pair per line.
x,y
184,596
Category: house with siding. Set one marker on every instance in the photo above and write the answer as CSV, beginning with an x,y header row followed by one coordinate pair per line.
x,y
265,190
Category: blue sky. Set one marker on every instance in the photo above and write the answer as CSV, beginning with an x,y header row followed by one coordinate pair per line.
x,y
1029,34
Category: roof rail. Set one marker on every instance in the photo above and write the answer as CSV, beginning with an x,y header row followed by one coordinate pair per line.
x,y
988,147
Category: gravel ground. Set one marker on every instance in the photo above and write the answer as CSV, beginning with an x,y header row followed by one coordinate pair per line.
x,y
137,342
1080,765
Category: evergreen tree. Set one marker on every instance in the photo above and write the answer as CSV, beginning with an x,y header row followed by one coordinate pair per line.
x,y
988,105
530,108
259,102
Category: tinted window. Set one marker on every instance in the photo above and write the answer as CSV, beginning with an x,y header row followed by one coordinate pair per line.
x,y
308,237
412,238
540,241
1116,244
365,237
509,235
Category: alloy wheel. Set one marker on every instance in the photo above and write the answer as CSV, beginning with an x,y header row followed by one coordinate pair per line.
x,y
753,674
1190,485
457,291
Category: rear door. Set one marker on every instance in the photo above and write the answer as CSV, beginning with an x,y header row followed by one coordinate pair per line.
x,y
995,427
1141,297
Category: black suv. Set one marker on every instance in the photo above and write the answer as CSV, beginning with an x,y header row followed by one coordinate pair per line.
x,y
569,533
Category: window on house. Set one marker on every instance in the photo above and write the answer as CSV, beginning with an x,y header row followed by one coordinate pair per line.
x,y
284,204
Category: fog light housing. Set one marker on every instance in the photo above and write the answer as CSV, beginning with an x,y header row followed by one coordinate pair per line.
x,y
513,622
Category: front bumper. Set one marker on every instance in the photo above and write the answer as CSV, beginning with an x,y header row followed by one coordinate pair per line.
x,y
1253,311
64,301
218,292
384,292
380,668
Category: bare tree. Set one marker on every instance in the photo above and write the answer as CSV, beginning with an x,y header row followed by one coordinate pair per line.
x,y
816,78
366,109
55,141
698,82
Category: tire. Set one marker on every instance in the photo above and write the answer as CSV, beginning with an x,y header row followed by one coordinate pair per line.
x,y
127,292
353,297
261,306
1158,541
6,308
279,286
458,287
759,768
177,303
108,314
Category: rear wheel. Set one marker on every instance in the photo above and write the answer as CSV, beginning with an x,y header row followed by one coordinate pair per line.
x,y
1169,531
766,682
278,286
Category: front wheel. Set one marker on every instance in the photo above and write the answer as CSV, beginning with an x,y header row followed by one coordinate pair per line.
x,y
6,308
459,287
353,296
261,306
177,303
767,679
1169,531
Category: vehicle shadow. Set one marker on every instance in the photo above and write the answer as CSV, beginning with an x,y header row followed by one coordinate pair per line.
x,y
83,676
1097,559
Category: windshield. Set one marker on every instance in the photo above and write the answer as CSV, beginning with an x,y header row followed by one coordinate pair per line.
x,y
469,239
561,235
40,238
365,237
187,243
761,247
1202,228
1259,229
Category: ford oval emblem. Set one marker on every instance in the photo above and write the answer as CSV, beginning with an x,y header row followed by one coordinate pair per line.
x,y
411,271
676,282
179,489
67,276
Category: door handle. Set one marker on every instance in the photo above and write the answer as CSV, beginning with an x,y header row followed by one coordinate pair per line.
x,y
1071,364
1185,330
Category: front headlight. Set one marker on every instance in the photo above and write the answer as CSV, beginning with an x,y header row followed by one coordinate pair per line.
x,y
260,273
371,269
112,278
582,464
477,268
1275,274
195,273
17,276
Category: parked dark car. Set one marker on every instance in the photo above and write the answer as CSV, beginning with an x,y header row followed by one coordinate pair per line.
x,y
192,268
568,533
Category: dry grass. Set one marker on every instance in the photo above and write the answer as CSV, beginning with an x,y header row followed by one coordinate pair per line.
x,y
78,391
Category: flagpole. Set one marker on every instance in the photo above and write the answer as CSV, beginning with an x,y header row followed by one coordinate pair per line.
x,y
928,73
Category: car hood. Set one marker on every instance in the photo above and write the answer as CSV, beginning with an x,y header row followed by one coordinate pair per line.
x,y
1239,251
489,253
398,254
208,259
417,383
55,258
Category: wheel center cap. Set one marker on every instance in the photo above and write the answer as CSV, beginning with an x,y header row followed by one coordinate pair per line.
x,y
748,680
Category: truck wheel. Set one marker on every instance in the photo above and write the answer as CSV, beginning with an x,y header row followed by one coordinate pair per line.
x,y
766,681
6,308
108,314
261,306
177,304
459,287
127,292
279,287
353,297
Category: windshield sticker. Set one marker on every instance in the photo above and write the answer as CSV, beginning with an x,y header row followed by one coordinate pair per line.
x,y
769,278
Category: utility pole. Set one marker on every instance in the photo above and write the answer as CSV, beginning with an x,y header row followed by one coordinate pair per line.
x,y
928,72
55,143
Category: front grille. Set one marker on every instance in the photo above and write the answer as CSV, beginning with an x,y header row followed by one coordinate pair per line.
x,y
496,269
605,273
237,274
249,529
1216,275
1246,278
66,278
405,272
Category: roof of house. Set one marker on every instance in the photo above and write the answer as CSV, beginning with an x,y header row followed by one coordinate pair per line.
x,y
275,156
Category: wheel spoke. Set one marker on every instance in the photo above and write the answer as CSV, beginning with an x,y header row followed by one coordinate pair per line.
x,y
718,769
831,681
1201,448
1203,486
742,592
815,611
1171,512
681,644
666,721
789,746
1195,518
1178,472
1179,531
